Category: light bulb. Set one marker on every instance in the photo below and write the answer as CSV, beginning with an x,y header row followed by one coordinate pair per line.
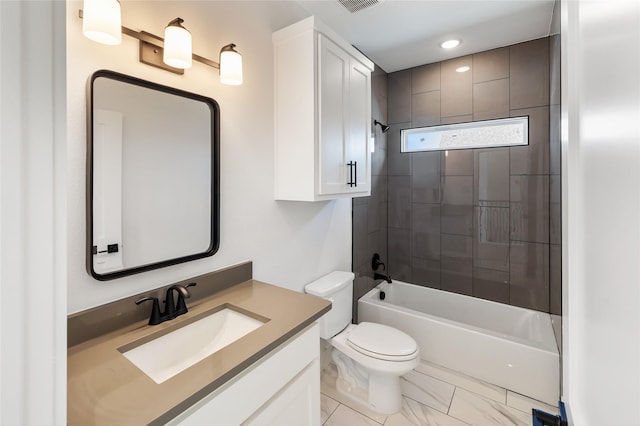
x,y
101,21
177,45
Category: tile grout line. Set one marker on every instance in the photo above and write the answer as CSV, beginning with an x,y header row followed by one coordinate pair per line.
x,y
455,388
334,410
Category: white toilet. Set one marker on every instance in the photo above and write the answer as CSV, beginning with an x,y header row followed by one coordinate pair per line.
x,y
370,357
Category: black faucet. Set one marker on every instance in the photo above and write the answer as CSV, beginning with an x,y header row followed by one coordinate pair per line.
x,y
171,309
375,264
377,276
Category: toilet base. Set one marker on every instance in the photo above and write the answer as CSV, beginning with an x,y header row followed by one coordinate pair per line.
x,y
376,391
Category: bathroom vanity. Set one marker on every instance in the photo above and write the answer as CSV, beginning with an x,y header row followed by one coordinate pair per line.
x,y
271,375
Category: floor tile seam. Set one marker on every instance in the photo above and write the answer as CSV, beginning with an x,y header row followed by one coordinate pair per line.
x,y
480,383
358,410
449,410
489,400
426,405
503,390
334,410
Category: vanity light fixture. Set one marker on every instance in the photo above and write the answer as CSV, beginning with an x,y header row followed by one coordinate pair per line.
x,y
173,53
463,69
102,21
230,65
177,45
450,44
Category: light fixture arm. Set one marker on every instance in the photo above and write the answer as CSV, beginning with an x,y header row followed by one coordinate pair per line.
x,y
158,42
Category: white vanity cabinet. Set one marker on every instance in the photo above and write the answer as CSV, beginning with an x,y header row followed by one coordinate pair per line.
x,y
322,115
283,387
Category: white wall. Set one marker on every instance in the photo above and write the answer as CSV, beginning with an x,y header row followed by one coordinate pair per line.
x,y
601,210
290,243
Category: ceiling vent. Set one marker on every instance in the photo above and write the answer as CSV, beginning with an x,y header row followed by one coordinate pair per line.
x,y
354,6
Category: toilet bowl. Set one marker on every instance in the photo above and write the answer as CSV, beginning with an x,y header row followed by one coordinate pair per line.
x,y
370,357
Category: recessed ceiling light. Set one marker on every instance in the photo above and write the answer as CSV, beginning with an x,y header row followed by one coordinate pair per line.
x,y
463,69
450,44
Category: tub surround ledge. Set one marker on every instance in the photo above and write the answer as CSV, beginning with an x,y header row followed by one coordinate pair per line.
x,y
106,388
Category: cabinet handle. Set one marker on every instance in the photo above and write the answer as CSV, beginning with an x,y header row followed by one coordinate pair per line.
x,y
353,173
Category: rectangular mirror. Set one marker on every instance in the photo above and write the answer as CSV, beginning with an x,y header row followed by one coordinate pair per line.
x,y
152,176
476,134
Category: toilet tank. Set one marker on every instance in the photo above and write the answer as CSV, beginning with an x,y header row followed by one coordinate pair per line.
x,y
338,288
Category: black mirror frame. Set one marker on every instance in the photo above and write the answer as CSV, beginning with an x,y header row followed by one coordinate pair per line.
x,y
215,176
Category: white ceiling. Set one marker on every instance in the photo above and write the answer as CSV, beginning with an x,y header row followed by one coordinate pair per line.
x,y
400,34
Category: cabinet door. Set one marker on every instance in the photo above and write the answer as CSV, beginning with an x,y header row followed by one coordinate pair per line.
x,y
333,79
359,125
296,404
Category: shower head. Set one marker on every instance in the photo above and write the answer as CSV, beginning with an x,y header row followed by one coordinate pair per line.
x,y
384,127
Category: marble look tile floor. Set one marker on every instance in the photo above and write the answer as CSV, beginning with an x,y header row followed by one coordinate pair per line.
x,y
433,395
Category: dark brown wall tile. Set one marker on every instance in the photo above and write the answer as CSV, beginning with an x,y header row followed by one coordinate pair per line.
x,y
399,266
554,140
425,179
491,175
529,275
399,96
456,119
554,69
491,285
555,211
534,158
457,162
456,90
456,268
398,163
425,78
530,208
399,202
426,231
457,205
425,109
529,74
426,272
555,279
491,99
491,65
491,238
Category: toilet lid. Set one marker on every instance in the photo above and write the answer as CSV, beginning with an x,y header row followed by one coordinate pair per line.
x,y
381,341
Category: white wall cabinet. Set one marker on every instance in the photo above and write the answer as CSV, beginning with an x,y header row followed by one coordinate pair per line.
x,y
281,388
322,115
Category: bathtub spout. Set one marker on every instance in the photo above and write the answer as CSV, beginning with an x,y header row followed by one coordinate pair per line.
x,y
377,276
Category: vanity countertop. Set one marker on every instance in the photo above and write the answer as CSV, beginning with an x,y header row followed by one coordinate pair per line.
x,y
103,387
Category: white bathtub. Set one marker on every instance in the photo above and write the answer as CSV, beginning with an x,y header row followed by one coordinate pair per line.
x,y
511,347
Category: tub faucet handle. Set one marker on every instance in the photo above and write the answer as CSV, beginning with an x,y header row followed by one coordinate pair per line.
x,y
376,262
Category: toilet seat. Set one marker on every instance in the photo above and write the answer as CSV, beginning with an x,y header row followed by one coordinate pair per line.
x,y
382,342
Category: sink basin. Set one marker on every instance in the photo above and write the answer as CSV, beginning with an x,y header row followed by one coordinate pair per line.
x,y
168,355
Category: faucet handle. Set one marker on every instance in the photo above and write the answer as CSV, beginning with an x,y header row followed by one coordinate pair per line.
x,y
155,317
183,293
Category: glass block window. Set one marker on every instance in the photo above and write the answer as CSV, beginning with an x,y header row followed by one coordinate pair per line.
x,y
476,134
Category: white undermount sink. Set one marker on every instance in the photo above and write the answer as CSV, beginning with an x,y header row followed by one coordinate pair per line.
x,y
168,355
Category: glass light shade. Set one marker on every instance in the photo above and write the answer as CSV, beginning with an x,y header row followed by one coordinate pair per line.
x,y
177,45
101,21
230,66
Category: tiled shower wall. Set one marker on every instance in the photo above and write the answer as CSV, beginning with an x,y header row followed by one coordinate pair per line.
x,y
481,222
370,213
